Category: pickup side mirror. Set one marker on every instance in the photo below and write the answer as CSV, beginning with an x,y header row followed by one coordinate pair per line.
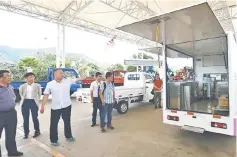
x,y
149,81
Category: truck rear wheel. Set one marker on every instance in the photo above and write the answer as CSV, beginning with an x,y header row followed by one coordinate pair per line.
x,y
122,107
18,97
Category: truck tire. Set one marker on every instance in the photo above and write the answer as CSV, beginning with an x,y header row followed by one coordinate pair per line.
x,y
122,107
18,97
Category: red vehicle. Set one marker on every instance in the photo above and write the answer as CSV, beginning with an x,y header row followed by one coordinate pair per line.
x,y
87,82
118,76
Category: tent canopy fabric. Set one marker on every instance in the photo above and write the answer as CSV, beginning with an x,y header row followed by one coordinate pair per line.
x,y
103,16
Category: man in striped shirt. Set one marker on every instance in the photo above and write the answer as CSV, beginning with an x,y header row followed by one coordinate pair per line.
x,y
107,95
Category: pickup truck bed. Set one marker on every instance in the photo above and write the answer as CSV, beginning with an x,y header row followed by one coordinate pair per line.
x,y
120,92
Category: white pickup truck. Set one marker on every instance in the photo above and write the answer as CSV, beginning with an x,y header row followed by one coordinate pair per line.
x,y
137,87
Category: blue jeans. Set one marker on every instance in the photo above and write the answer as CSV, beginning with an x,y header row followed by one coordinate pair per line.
x,y
108,113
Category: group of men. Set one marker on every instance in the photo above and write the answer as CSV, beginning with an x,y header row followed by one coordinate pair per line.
x,y
103,98
59,88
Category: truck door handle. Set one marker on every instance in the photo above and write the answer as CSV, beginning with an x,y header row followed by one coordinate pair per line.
x,y
147,87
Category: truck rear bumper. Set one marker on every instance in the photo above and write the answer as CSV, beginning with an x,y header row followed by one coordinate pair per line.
x,y
207,122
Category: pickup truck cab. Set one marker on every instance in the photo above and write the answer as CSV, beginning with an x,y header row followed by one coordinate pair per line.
x,y
68,73
137,87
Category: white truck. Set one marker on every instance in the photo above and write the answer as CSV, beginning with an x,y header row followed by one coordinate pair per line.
x,y
137,87
207,101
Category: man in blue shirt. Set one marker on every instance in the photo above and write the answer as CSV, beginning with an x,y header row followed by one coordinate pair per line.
x,y
8,115
107,96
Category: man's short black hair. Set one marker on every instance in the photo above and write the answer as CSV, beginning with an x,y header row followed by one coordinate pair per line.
x,y
97,74
2,72
108,74
29,74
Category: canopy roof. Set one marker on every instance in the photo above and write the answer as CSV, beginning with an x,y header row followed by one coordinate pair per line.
x,y
103,16
188,31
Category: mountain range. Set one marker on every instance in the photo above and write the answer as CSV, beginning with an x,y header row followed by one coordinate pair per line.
x,y
12,55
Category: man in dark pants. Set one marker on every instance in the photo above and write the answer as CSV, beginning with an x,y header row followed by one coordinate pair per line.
x,y
95,99
107,96
8,114
59,88
30,93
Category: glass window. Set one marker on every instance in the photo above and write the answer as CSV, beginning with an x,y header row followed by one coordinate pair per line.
x,y
69,74
115,73
148,77
134,77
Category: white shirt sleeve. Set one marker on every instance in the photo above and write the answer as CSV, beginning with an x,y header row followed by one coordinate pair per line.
x,y
92,86
47,90
71,81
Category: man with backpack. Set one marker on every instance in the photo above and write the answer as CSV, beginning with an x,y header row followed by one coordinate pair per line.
x,y
107,96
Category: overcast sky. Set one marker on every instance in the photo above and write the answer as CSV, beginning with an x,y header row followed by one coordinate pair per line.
x,y
25,32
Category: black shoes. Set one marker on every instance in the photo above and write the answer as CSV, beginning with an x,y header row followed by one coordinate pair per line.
x,y
36,134
103,130
26,136
93,125
110,127
15,154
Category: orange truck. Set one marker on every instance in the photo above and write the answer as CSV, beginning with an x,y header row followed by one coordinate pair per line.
x,y
118,77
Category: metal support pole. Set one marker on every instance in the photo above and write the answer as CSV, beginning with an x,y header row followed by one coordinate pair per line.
x,y
235,120
58,49
63,49
60,53
162,30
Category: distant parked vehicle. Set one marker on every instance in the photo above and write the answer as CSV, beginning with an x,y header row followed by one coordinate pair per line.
x,y
68,72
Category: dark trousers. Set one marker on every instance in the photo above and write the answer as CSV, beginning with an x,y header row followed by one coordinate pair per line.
x,y
157,99
98,105
27,106
55,116
108,111
8,121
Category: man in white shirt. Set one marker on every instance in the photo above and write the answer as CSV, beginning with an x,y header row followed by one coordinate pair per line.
x,y
95,99
30,93
59,88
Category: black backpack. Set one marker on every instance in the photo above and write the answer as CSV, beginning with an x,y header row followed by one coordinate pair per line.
x,y
105,86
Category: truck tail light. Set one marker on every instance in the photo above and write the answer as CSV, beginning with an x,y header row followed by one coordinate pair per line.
x,y
219,125
174,118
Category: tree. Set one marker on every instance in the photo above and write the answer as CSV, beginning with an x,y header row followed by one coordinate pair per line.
x,y
92,68
16,72
115,67
28,62
134,56
40,65
145,56
131,68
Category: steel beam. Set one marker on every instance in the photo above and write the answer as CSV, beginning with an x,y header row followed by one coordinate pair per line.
x,y
50,15
223,14
71,11
132,8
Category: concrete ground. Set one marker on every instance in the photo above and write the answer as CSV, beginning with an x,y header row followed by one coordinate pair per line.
x,y
139,133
